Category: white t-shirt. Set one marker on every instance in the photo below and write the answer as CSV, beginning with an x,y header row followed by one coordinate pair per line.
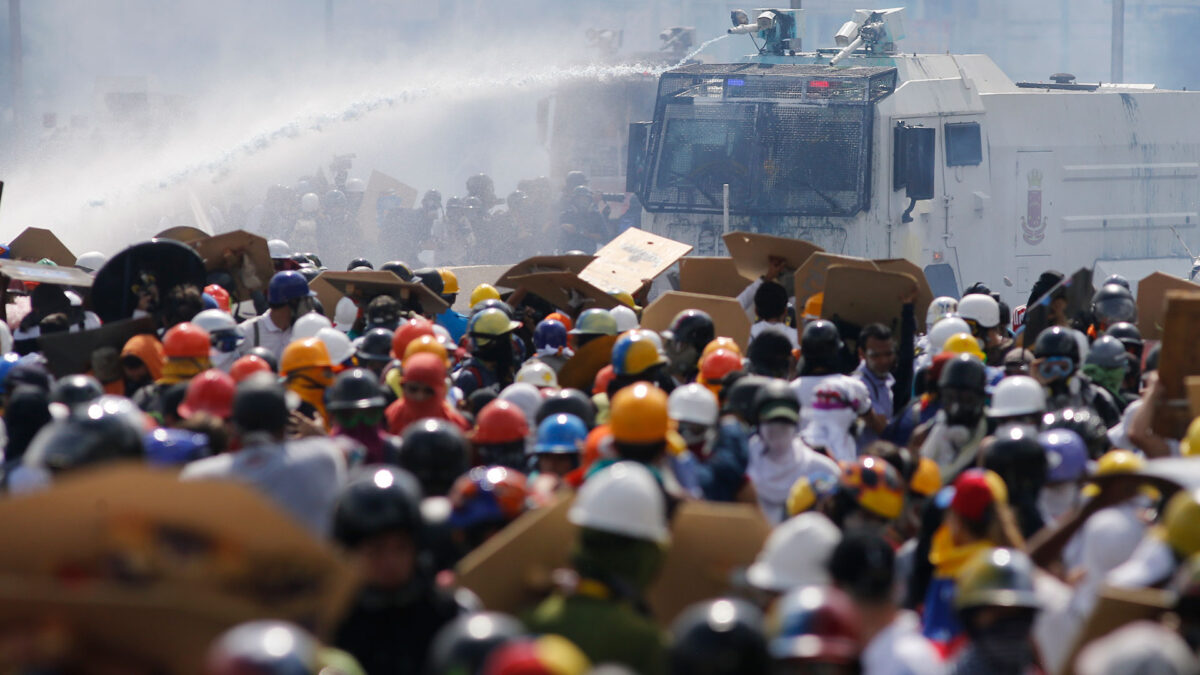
x,y
806,390
773,476
304,477
267,335
900,649
760,326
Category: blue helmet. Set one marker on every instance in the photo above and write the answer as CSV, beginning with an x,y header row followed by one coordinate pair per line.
x,y
174,447
560,434
1066,455
550,334
6,364
287,286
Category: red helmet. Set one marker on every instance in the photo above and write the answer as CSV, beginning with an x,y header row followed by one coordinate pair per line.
x,y
500,422
488,494
211,392
187,341
719,363
219,294
814,624
407,332
606,375
248,365
561,318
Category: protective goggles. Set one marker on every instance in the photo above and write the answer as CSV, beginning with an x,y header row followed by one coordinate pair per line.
x,y
1055,367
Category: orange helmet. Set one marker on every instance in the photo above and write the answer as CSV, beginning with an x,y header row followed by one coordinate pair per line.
x,y
500,422
248,365
603,378
220,295
428,344
488,494
593,446
187,341
639,414
306,353
726,343
718,364
562,318
875,485
407,332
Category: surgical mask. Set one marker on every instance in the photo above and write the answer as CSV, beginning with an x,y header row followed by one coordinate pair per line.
x,y
1054,501
695,436
777,436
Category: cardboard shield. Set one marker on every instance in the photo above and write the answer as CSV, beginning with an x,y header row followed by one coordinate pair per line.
x,y
1179,359
711,276
139,528
327,294
71,353
729,318
1116,607
170,263
861,296
579,372
544,263
183,233
810,277
1076,289
45,274
924,292
361,286
632,260
1151,301
35,243
243,255
563,290
751,251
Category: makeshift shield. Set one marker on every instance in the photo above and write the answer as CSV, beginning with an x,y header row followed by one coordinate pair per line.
x,y
752,252
71,353
924,292
563,290
711,276
632,260
35,243
544,263
810,277
1179,359
364,285
1152,301
243,255
183,234
861,296
579,372
729,318
161,263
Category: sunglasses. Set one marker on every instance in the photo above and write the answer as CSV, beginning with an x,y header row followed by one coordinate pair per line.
x,y
360,418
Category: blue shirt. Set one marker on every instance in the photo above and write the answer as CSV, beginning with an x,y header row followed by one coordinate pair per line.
x,y
454,322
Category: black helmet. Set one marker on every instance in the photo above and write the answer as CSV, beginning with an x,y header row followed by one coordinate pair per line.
x,y
75,390
1129,335
268,356
692,327
719,637
309,272
110,428
1108,352
770,353
776,400
381,499
1118,280
1114,303
861,565
480,183
355,389
435,451
570,401
376,345
1018,457
260,404
1056,341
399,268
740,398
263,647
575,179
360,262
820,344
430,278
963,372
1087,424
463,645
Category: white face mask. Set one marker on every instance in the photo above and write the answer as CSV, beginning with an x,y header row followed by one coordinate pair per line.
x,y
1056,500
777,436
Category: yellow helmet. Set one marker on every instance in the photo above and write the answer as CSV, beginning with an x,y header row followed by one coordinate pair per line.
x,y
306,353
813,305
726,343
926,479
963,343
427,344
1190,446
625,298
490,323
639,414
1116,462
482,292
1181,522
449,281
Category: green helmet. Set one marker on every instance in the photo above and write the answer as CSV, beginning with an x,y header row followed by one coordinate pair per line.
x,y
595,321
997,577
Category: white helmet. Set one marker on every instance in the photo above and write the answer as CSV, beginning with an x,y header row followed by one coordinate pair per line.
x,y
622,499
526,397
91,261
796,554
940,308
310,202
626,318
693,403
74,298
6,338
308,325
344,315
1017,395
442,331
538,374
279,249
982,309
942,330
355,185
337,344
214,321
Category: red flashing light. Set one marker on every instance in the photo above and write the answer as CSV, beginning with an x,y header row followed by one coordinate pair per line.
x,y
818,84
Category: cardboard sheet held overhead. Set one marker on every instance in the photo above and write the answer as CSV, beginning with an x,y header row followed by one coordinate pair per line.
x,y
1179,359
1116,607
728,316
243,255
1151,301
327,294
810,277
35,243
71,353
751,251
579,372
362,286
924,292
563,290
544,263
862,296
632,260
45,274
183,233
379,185
711,276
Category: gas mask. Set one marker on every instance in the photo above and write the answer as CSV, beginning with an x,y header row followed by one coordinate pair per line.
x,y
963,407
